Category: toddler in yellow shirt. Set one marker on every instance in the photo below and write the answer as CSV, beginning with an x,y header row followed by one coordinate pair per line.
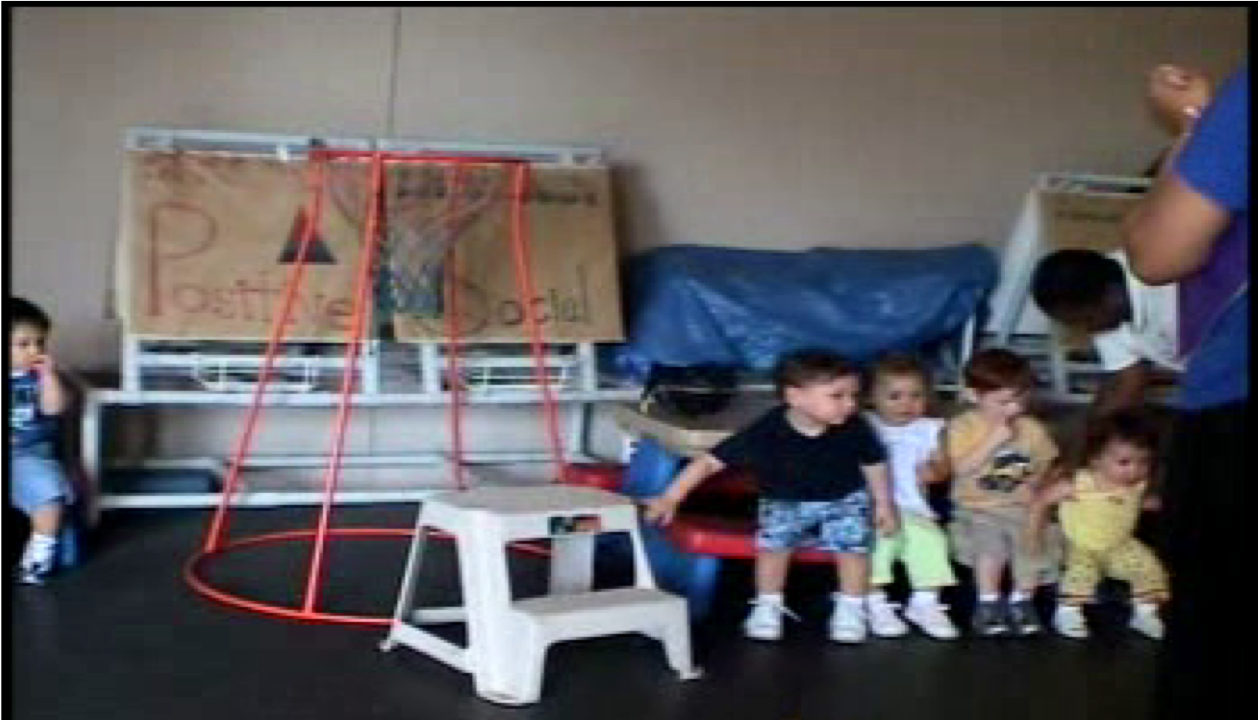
x,y
998,453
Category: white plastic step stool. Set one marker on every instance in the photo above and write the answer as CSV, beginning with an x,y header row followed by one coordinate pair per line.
x,y
508,640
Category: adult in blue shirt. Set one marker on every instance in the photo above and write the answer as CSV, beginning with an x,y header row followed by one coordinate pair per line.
x,y
1193,229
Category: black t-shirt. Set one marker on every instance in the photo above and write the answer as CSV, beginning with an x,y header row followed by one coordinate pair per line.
x,y
792,466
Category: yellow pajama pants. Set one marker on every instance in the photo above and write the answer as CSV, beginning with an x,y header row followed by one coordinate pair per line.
x,y
1130,561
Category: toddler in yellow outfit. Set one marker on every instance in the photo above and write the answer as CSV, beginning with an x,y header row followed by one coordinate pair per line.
x,y
1099,505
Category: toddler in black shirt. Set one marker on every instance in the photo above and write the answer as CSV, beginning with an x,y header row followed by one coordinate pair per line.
x,y
823,483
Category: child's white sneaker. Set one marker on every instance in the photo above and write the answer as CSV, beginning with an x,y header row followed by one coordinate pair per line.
x,y
32,574
1068,620
848,622
1145,621
764,622
883,620
932,619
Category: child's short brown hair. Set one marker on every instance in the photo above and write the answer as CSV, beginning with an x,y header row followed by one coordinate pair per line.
x,y
898,364
998,369
21,311
1133,426
804,367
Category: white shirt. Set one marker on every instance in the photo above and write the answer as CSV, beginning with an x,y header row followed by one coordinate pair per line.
x,y
1152,333
907,447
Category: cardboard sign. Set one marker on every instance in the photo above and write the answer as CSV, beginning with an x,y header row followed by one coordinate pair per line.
x,y
207,243
570,249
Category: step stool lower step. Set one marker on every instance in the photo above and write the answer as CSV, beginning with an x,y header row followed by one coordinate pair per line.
x,y
612,611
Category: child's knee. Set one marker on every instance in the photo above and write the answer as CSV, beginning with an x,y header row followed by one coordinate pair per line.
x,y
50,512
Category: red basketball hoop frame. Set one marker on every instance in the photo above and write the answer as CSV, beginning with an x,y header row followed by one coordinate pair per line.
x,y
217,543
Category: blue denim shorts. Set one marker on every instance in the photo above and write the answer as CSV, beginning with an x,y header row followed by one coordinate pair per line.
x,y
843,526
37,479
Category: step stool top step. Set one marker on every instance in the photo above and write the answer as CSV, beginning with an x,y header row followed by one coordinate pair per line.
x,y
543,499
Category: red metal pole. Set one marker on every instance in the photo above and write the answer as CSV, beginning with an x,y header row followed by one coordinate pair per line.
x,y
362,301
453,331
218,526
524,284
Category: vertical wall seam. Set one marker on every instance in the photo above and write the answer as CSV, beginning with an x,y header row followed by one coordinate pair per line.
x,y
394,52
390,122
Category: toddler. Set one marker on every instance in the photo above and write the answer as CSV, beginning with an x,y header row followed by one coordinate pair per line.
x,y
1098,506
998,454
900,393
37,486
823,483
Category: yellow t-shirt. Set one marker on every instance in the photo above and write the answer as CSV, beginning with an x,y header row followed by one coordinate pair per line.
x,y
1098,519
1003,480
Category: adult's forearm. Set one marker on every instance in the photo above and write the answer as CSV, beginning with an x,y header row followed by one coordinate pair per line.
x,y
1121,390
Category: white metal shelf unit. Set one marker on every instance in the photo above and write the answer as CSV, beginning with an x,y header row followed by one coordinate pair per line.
x,y
163,372
151,364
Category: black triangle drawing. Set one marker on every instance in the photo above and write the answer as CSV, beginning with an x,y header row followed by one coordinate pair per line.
x,y
317,254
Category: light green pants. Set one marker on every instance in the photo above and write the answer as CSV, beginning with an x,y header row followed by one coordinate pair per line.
x,y
923,548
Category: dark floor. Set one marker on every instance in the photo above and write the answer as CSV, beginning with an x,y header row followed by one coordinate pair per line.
x,y
123,637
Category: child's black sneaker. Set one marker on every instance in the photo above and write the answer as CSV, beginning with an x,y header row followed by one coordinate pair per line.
x,y
989,619
1023,619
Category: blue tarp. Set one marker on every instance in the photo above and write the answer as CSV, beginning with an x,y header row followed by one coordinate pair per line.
x,y
689,305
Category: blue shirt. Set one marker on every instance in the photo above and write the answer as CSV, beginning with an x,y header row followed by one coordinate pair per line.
x,y
1214,302
28,426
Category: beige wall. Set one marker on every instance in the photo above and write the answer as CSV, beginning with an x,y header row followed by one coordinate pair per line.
x,y
753,127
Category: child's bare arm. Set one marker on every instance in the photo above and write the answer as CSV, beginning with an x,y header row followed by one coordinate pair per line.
x,y
878,479
935,470
53,398
974,458
662,509
1150,500
1043,501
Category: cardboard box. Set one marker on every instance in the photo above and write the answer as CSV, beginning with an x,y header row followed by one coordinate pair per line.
x,y
1073,220
1061,211
1092,222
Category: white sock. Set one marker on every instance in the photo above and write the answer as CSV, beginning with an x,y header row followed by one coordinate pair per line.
x,y
877,597
39,549
770,599
1018,596
852,601
989,597
924,597
1146,608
